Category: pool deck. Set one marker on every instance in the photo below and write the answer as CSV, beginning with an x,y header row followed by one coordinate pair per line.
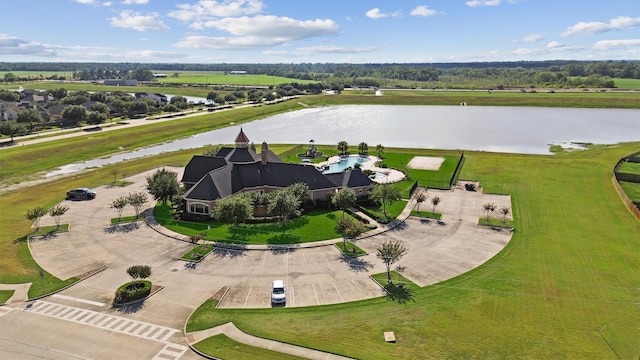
x,y
391,175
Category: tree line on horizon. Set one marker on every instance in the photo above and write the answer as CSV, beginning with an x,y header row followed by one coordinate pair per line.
x,y
556,73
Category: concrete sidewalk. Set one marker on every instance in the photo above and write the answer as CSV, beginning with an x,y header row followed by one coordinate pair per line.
x,y
230,330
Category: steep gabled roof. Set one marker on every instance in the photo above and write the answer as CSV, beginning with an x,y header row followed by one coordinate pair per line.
x,y
242,138
199,166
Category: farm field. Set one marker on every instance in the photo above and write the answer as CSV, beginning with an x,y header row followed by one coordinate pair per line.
x,y
220,78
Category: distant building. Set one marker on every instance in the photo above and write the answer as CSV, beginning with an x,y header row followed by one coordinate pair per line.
x,y
237,72
159,75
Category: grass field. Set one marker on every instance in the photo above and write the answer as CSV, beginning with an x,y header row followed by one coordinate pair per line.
x,y
564,287
627,83
629,168
220,78
223,347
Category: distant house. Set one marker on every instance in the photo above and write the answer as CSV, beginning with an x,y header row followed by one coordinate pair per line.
x,y
240,169
159,99
8,110
120,82
36,99
237,72
54,113
159,75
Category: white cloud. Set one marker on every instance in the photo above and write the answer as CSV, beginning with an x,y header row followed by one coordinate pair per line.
x,y
611,44
228,43
475,3
555,45
325,49
208,9
107,3
273,26
135,2
532,38
375,14
11,45
619,23
423,10
132,20
84,1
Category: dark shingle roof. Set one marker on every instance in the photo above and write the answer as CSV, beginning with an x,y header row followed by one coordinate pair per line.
x,y
353,178
199,166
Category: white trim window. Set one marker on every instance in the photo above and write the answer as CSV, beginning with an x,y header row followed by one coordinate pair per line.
x,y
199,208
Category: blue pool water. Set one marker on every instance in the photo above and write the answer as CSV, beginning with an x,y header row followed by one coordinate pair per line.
x,y
343,164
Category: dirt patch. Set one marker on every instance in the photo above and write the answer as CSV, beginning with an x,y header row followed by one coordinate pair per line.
x,y
425,163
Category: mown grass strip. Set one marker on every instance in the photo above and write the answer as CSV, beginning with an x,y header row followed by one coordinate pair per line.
x,y
223,347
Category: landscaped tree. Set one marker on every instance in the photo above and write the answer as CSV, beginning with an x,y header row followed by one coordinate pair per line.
x,y
379,150
12,128
31,117
489,208
235,209
56,213
435,201
35,215
163,184
390,252
100,107
283,204
195,239
119,204
137,107
74,114
212,95
422,197
139,272
137,201
505,212
350,229
230,98
114,172
299,190
96,118
343,147
343,199
363,148
384,195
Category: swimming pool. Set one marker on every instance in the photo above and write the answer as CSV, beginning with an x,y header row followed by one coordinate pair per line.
x,y
343,164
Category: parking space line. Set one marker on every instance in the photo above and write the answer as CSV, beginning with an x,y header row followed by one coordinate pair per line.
x,y
338,291
358,286
315,293
247,298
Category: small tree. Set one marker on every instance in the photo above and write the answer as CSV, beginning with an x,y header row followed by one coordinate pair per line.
x,y
343,147
489,208
390,252
163,184
12,128
385,195
284,205
236,209
139,272
195,239
422,197
119,204
363,148
435,201
56,213
379,150
343,199
96,118
350,229
505,212
137,201
114,172
35,215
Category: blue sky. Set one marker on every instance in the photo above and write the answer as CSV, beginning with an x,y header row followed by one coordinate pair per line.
x,y
296,31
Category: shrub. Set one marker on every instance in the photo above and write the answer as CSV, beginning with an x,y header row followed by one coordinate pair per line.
x,y
470,187
132,291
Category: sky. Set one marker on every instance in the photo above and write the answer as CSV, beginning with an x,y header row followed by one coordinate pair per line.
x,y
318,31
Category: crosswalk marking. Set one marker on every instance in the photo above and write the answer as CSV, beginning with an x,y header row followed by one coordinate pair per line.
x,y
5,310
170,351
112,323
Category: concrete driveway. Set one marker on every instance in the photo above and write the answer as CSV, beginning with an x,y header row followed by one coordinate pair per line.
x,y
313,275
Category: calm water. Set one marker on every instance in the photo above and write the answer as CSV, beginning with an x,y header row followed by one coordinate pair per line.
x,y
501,129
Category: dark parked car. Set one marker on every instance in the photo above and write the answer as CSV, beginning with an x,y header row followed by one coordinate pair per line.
x,y
81,193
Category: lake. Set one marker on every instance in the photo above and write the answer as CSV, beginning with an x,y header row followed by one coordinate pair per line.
x,y
489,128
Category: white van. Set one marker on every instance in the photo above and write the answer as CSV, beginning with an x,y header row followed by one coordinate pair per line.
x,y
277,292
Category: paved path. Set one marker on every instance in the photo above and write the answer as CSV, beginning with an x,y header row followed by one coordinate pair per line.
x,y
230,330
313,274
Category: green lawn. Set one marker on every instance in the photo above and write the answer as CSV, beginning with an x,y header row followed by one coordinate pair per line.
x,y
220,78
566,286
631,189
197,252
315,225
5,295
223,347
629,168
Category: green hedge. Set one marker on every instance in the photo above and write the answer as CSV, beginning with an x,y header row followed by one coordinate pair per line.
x,y
132,291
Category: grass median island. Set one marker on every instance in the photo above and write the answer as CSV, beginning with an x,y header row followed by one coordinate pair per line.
x,y
5,295
564,287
